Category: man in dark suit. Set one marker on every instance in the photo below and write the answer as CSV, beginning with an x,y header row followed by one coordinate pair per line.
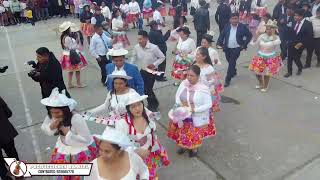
x,y
285,22
300,37
234,38
223,14
201,21
7,135
156,37
279,10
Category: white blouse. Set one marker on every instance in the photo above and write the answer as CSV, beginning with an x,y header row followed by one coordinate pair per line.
x,y
267,44
206,76
106,12
124,8
137,167
134,8
201,100
115,102
142,140
76,140
117,23
187,46
70,43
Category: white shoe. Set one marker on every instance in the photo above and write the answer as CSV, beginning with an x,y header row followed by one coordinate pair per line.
x,y
263,90
258,87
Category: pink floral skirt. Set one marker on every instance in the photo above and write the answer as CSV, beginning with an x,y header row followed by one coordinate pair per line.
x,y
87,29
266,66
132,18
122,39
156,160
163,11
172,11
189,136
67,66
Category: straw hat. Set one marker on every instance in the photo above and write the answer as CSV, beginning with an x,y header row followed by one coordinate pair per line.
x,y
119,74
64,26
117,51
135,98
272,24
57,99
114,136
74,27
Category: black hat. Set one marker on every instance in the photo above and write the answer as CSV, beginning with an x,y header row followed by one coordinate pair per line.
x,y
208,37
184,30
152,23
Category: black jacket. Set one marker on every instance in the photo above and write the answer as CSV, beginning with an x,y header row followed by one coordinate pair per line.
x,y
50,77
7,131
277,11
156,37
223,14
201,19
305,35
285,26
243,36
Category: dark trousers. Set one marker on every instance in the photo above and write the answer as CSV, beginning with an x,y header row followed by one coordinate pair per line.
x,y
31,20
149,80
199,37
315,47
11,152
232,55
221,26
102,64
162,66
294,55
62,11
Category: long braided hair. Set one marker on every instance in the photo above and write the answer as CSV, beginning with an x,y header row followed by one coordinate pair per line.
x,y
114,92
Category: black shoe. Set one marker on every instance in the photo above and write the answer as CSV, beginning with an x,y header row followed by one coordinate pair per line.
x,y
227,84
193,153
162,79
306,66
299,72
181,151
287,75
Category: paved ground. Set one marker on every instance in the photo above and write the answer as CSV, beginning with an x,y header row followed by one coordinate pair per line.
x,y
261,136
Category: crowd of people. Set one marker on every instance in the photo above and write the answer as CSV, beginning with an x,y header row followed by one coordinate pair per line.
x,y
130,140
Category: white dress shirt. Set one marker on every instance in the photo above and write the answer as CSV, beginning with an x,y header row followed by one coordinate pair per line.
x,y
232,43
148,55
314,9
98,45
134,8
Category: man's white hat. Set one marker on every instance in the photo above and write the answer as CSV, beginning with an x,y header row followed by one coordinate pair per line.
x,y
64,26
119,74
133,98
57,99
115,136
117,50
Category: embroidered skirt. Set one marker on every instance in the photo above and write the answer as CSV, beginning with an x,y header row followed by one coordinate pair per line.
x,y
218,89
67,66
132,18
156,160
266,66
163,11
85,156
147,12
172,11
87,29
180,67
121,38
189,136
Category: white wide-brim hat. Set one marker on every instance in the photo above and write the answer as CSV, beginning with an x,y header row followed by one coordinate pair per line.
x,y
135,97
117,52
115,136
74,27
119,74
57,99
64,26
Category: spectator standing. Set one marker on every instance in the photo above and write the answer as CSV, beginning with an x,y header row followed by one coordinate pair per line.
x,y
16,10
315,20
315,6
223,14
201,21
44,5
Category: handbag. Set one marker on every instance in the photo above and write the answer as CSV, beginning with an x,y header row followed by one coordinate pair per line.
x,y
74,57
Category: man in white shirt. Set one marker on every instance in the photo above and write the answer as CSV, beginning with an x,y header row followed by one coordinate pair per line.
x,y
315,20
315,6
98,49
149,57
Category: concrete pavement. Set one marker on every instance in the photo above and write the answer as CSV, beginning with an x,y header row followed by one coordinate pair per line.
x,y
262,136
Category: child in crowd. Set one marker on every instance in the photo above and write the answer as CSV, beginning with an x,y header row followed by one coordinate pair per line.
x,y
29,16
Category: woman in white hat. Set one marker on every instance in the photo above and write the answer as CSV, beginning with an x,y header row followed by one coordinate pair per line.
x,y
118,96
193,106
114,162
267,62
72,59
141,129
75,143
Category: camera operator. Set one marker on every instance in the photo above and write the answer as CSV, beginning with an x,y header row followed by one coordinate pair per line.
x,y
47,71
